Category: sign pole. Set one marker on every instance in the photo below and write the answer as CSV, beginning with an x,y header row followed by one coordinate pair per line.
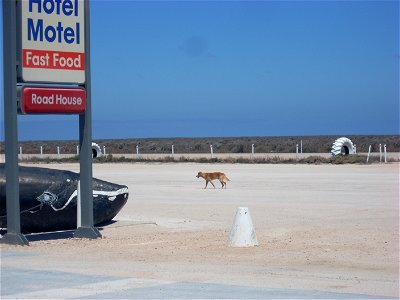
x,y
13,235
87,230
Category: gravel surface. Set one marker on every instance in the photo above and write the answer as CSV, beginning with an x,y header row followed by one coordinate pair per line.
x,y
332,228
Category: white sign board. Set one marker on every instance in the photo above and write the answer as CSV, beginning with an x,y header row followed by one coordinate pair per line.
x,y
52,41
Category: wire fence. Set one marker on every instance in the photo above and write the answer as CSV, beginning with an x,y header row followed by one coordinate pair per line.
x,y
212,155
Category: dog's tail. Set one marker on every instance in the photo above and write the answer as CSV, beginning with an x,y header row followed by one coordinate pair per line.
x,y
226,178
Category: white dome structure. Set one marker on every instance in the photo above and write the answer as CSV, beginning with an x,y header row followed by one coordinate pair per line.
x,y
343,146
96,150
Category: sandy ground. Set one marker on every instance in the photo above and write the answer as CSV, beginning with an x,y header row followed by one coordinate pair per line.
x,y
320,227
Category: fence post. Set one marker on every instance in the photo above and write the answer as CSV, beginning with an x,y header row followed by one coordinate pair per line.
x,y
77,150
41,150
301,146
297,151
104,150
369,151
212,152
380,152
172,150
355,149
252,151
137,151
58,152
384,149
20,152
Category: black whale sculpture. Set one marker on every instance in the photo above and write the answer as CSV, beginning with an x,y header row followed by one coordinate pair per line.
x,y
48,199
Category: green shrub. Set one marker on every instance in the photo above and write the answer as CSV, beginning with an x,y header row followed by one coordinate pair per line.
x,y
339,159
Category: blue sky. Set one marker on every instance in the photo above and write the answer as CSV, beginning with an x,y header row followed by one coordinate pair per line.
x,y
237,68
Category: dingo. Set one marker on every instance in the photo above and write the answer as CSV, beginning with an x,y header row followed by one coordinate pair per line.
x,y
212,176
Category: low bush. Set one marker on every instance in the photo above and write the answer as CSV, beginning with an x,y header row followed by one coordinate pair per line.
x,y
336,160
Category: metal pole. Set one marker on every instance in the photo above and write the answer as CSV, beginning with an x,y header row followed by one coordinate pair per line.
x,y
252,151
41,150
301,146
137,151
297,151
13,235
87,230
104,150
172,150
77,150
212,152
58,152
380,152
78,206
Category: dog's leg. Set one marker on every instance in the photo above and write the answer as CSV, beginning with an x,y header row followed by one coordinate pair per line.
x,y
206,184
212,184
222,183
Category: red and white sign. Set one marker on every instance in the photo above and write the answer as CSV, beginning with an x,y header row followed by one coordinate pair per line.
x,y
38,100
52,41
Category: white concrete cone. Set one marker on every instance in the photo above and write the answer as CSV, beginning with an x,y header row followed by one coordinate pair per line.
x,y
242,232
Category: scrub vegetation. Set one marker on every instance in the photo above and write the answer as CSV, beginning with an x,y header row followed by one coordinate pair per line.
x,y
282,144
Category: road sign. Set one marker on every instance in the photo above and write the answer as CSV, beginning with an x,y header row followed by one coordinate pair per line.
x,y
39,100
47,41
51,41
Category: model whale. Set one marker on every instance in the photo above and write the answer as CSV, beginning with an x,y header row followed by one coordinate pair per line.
x,y
48,199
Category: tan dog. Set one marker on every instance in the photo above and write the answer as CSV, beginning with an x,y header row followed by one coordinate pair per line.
x,y
209,177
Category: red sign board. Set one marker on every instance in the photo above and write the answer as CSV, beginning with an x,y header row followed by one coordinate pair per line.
x,y
40,100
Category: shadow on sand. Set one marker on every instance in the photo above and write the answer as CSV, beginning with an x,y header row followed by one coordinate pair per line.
x,y
55,235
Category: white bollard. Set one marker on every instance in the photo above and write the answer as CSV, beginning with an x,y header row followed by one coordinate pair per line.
x,y
20,151
252,151
242,233
172,150
104,150
380,152
77,150
212,152
297,151
137,151
58,152
369,152
41,150
355,149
